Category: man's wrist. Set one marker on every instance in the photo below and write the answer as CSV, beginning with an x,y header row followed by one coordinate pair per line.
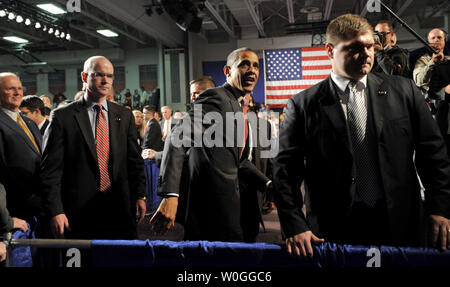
x,y
144,198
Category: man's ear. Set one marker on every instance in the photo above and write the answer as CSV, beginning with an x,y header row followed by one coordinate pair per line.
x,y
227,70
329,48
84,77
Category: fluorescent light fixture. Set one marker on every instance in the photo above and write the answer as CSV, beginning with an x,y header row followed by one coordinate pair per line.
x,y
15,39
19,19
51,8
27,22
107,33
2,13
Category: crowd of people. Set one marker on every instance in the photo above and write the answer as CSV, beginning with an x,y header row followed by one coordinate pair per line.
x,y
358,142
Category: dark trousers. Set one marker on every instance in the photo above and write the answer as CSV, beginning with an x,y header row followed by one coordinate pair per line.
x,y
368,225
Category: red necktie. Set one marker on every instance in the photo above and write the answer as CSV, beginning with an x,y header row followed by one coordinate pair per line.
x,y
244,111
102,147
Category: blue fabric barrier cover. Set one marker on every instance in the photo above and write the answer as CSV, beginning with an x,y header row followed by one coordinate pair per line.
x,y
151,176
22,255
107,253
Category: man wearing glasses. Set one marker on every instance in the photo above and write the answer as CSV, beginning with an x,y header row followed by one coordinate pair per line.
x,y
92,172
390,59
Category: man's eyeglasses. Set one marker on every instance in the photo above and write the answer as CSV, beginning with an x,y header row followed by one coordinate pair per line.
x,y
101,75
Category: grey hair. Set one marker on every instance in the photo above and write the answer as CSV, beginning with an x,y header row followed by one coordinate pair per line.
x,y
7,74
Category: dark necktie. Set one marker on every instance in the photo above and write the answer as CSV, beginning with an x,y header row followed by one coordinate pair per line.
x,y
102,148
365,165
27,132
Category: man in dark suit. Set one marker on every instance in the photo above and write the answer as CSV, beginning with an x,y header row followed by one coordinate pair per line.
x,y
213,208
357,133
92,172
33,107
153,135
20,151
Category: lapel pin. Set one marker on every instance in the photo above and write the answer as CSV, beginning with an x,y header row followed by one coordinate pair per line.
x,y
382,93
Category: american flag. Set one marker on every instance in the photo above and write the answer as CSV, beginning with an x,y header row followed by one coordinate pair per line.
x,y
290,71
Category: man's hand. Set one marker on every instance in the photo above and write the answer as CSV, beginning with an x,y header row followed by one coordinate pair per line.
x,y
148,153
447,89
301,244
58,223
440,229
164,217
20,224
2,252
437,58
141,209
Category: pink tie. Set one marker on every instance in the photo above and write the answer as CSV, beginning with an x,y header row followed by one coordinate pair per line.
x,y
102,148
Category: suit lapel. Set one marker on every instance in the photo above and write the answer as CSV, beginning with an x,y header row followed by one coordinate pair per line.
x,y
378,94
82,117
34,131
8,122
114,133
333,110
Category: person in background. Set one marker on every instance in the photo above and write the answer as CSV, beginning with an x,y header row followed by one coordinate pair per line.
x,y
167,123
136,100
33,107
158,117
47,101
390,59
140,125
152,138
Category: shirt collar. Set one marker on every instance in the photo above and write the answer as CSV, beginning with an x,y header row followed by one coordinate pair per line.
x,y
342,82
11,114
90,104
238,94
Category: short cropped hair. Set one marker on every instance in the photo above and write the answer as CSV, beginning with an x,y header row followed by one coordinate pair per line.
x,y
346,27
204,82
234,56
33,103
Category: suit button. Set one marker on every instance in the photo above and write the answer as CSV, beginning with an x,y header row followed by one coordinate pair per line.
x,y
353,180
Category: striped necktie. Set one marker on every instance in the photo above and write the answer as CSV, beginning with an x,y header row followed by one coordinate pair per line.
x,y
102,148
27,132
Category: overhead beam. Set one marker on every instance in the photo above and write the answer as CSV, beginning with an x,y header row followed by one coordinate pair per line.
x,y
106,24
404,7
290,10
327,13
219,19
93,34
252,10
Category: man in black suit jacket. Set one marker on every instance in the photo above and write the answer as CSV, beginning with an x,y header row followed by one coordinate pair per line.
x,y
33,107
20,154
85,198
153,135
213,208
386,207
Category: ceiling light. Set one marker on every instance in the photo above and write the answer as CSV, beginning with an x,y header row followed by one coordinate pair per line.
x,y
51,8
15,39
11,16
19,19
68,37
45,28
37,25
50,31
56,32
2,13
107,33
27,21
63,34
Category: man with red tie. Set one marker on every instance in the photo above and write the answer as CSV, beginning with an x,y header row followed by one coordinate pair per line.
x,y
214,206
92,173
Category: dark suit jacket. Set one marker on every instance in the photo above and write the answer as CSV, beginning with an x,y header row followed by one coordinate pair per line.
x,y
315,129
44,127
71,177
153,136
6,222
19,166
440,78
213,208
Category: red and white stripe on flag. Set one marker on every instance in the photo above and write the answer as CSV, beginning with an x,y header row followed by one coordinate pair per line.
x,y
290,71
